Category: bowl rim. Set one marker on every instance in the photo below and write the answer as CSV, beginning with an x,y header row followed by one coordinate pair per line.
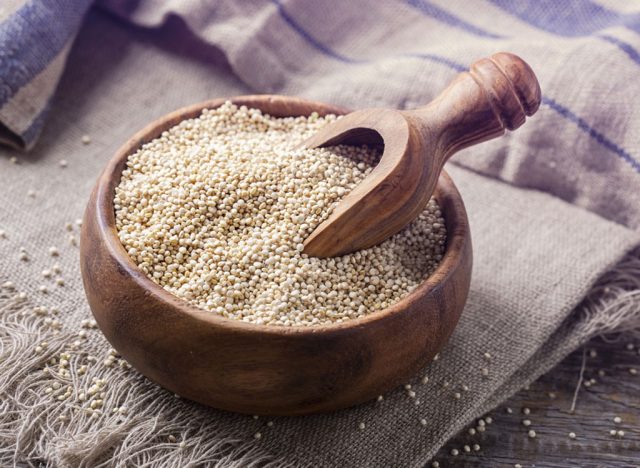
x,y
105,214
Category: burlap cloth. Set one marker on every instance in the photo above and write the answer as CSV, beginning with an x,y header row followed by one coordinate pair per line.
x,y
538,253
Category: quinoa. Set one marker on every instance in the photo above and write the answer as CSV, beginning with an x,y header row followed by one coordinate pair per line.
x,y
216,210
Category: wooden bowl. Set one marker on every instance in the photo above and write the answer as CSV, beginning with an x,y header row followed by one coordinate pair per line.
x,y
260,369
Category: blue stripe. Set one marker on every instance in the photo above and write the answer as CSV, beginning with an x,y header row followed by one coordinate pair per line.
x,y
626,48
569,18
560,109
32,37
599,137
574,18
429,9
310,39
343,58
439,59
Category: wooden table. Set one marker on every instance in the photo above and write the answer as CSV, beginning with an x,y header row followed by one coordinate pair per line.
x,y
615,393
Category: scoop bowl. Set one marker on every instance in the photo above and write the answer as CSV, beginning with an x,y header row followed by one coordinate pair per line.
x,y
261,369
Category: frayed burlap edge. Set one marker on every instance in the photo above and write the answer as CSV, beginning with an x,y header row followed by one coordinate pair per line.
x,y
40,428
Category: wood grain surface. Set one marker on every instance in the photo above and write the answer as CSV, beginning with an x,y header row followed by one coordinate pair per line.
x,y
616,393
262,369
497,93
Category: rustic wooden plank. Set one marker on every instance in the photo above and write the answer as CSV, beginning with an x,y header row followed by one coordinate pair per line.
x,y
615,393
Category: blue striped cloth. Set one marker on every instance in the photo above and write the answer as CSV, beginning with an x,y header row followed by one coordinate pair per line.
x,y
35,38
582,146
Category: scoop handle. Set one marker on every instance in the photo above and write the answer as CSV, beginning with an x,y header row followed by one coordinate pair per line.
x,y
497,93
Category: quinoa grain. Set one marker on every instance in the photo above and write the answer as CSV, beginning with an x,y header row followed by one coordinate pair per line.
x,y
217,208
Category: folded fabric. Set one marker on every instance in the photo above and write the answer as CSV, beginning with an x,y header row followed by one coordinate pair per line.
x,y
401,53
35,38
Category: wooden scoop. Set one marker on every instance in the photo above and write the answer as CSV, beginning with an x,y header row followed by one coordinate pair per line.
x,y
497,93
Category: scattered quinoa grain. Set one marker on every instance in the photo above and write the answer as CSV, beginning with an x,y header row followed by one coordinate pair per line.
x,y
532,434
526,411
63,163
572,435
455,452
86,139
617,420
476,447
526,422
361,426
